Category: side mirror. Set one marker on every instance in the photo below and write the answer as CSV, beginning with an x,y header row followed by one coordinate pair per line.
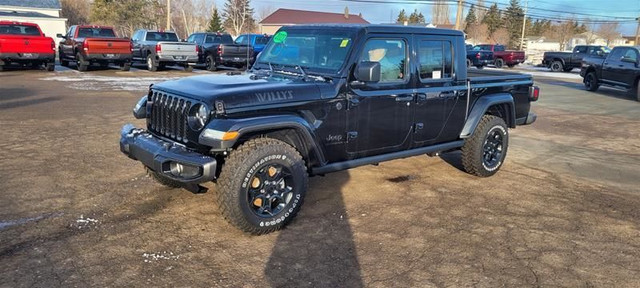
x,y
368,72
61,36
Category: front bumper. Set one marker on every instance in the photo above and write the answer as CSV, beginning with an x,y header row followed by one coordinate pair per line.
x,y
158,154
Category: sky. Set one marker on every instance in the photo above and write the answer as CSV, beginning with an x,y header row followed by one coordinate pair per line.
x,y
386,13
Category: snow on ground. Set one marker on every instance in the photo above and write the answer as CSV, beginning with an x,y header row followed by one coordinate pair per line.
x,y
83,222
164,255
96,82
545,72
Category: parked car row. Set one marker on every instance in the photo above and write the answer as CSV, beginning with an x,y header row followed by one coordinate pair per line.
x,y
493,54
87,45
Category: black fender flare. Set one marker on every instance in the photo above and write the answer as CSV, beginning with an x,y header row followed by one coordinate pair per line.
x,y
211,135
480,109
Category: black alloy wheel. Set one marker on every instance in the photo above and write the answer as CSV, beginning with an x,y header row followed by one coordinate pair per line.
x,y
556,66
270,190
591,81
493,148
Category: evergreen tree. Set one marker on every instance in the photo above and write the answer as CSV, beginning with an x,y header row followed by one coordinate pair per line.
x,y
402,17
492,19
471,19
513,23
416,17
215,24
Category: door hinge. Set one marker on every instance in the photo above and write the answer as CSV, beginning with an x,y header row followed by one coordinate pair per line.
x,y
352,135
417,126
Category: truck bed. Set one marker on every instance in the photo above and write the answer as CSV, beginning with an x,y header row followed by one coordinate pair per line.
x,y
497,78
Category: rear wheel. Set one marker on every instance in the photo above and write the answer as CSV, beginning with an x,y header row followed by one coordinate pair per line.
x,y
262,185
51,66
591,81
484,152
211,63
556,66
152,64
82,64
499,63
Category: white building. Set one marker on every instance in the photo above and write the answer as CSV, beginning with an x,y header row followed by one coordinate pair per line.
x,y
536,46
45,13
590,38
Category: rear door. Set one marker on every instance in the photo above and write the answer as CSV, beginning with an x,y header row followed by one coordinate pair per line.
x,y
438,92
379,116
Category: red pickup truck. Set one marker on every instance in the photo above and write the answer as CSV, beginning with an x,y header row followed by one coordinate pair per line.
x,y
24,43
87,45
502,56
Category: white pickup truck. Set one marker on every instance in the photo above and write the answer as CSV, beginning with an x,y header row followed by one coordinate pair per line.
x,y
161,48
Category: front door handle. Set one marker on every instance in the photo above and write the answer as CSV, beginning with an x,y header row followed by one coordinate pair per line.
x,y
403,98
447,94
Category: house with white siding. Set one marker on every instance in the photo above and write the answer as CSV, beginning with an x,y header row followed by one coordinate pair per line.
x,y
45,13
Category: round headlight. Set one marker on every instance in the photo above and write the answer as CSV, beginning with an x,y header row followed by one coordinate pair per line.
x,y
198,116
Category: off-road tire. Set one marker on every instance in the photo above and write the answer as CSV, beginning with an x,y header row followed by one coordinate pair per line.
x,y
82,64
232,185
499,63
474,146
637,96
556,66
163,180
152,64
50,66
591,81
125,66
210,63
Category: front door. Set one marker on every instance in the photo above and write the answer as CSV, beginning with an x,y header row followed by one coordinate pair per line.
x,y
612,65
380,114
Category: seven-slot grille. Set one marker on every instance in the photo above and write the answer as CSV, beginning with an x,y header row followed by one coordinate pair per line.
x,y
169,115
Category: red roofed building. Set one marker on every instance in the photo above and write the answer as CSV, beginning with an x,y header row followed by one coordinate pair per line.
x,y
284,17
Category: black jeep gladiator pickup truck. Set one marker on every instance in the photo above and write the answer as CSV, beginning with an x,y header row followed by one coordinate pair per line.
x,y
621,68
319,99
566,61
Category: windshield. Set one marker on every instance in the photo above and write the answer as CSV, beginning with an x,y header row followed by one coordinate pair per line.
x,y
316,50
96,33
14,29
162,36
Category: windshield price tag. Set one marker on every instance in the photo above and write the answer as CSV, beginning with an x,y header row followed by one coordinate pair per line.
x,y
280,37
344,43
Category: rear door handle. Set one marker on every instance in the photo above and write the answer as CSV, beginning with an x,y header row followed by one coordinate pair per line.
x,y
447,94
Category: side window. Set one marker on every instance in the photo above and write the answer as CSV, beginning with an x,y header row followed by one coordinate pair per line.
x,y
191,39
499,48
199,38
242,40
391,54
617,54
581,49
72,32
210,39
631,54
436,59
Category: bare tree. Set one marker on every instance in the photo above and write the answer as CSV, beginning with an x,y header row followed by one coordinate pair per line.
x,y
265,11
481,10
591,35
189,16
500,36
609,31
76,11
440,12
562,32
478,32
238,16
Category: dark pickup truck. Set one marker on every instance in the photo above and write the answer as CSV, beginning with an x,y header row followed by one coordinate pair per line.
x,y
621,68
566,61
87,45
478,57
215,49
320,99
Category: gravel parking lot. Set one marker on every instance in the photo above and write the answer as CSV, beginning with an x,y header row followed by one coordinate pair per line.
x,y
75,212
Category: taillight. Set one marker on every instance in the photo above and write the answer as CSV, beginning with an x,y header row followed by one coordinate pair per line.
x,y
197,49
85,45
220,51
53,46
131,46
534,93
158,48
478,55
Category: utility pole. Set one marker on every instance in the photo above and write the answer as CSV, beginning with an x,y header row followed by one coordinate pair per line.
x,y
637,33
168,15
524,23
459,16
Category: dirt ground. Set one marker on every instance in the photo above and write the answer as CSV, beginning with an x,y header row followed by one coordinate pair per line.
x,y
75,212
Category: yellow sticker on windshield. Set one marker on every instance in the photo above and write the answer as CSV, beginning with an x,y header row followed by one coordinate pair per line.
x,y
344,43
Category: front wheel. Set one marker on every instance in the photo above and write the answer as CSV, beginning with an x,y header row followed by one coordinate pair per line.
x,y
262,186
591,81
211,63
499,63
484,152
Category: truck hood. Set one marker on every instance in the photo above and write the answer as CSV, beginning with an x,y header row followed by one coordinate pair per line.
x,y
237,91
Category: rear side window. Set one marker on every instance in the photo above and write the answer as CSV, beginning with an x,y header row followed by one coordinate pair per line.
x,y
15,29
498,48
243,40
631,54
96,33
581,49
222,39
436,59
162,36
262,39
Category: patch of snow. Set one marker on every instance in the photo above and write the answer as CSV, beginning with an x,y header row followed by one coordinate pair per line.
x,y
97,83
164,255
83,222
